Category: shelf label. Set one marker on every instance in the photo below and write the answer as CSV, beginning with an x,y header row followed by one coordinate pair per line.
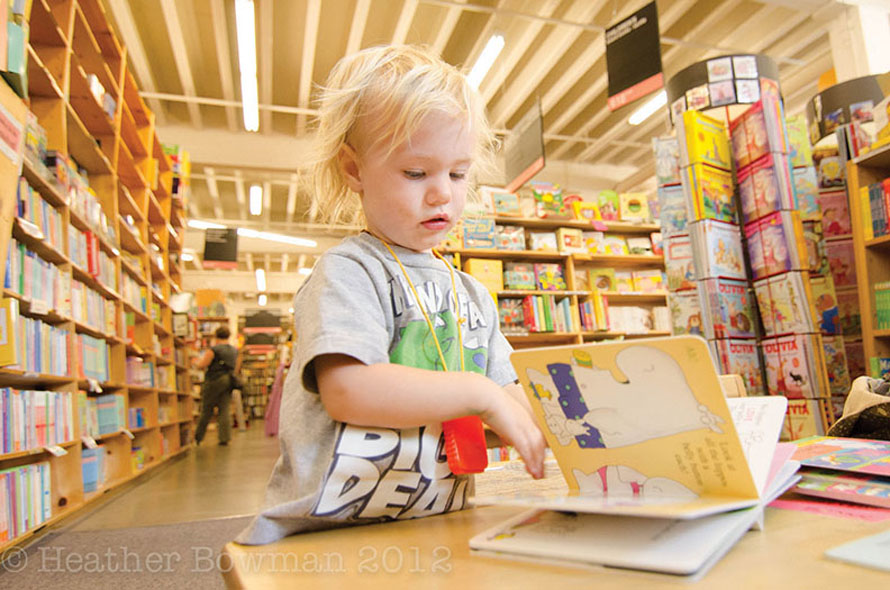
x,y
89,442
128,434
56,450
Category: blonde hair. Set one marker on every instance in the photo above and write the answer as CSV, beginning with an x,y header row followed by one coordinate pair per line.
x,y
385,93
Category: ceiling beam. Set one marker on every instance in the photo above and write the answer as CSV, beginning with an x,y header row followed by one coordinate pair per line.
x,y
292,197
240,194
446,29
240,150
180,57
285,260
307,66
123,16
267,201
223,59
213,189
406,17
357,28
266,58
249,260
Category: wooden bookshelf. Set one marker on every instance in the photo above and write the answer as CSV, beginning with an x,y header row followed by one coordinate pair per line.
x,y
872,256
70,44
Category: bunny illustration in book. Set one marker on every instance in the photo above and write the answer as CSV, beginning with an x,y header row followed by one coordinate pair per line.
x,y
646,398
623,481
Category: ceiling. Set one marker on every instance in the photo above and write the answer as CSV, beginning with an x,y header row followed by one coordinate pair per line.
x,y
183,54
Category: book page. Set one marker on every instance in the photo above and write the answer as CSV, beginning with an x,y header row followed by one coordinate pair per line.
x,y
642,421
758,421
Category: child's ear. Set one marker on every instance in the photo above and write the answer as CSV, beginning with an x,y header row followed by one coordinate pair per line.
x,y
349,167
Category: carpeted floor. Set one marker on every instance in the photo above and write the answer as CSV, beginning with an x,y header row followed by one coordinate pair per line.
x,y
182,555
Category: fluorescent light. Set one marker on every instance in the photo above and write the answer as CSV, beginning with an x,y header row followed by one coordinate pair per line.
x,y
290,310
260,279
256,199
305,270
199,224
187,256
272,237
262,300
649,108
486,60
246,29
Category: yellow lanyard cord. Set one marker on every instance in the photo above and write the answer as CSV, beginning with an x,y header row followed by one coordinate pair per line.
x,y
429,323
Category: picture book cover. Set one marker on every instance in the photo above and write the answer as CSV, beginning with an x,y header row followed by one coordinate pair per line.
x,y
672,206
633,207
657,243
679,547
519,276
641,428
825,303
727,308
478,233
859,488
703,139
511,316
855,357
504,202
740,357
593,242
817,258
835,214
829,169
686,313
649,281
549,201
667,160
624,281
806,193
509,237
794,366
841,262
836,364
776,244
678,263
550,276
786,304
858,455
799,149
570,240
639,246
848,309
607,201
602,279
586,211
719,250
615,246
710,192
542,241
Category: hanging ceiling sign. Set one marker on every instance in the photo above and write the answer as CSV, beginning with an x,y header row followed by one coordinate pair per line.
x,y
524,149
633,57
221,248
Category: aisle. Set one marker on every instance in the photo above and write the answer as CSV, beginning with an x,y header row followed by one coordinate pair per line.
x,y
208,482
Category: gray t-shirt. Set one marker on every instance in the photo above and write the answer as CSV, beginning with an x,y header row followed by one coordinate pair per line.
x,y
356,302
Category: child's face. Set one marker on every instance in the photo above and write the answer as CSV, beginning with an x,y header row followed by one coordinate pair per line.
x,y
414,195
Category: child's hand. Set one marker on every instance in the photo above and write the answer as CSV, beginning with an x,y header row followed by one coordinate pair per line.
x,y
515,425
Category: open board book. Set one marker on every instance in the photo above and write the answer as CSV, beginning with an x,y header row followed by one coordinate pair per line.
x,y
663,472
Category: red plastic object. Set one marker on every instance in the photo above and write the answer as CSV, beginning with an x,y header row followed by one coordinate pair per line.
x,y
465,445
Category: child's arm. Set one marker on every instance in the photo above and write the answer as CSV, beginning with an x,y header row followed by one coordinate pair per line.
x,y
395,396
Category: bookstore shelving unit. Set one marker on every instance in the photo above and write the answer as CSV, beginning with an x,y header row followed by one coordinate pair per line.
x,y
872,256
132,232
575,266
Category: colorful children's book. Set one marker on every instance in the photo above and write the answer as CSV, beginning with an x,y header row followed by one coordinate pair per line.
x,y
841,262
632,426
786,304
633,207
817,259
511,317
550,276
776,244
825,302
570,240
764,187
593,242
672,210
718,248
799,149
848,309
489,272
608,201
478,233
509,237
740,357
858,488
806,193
615,246
667,160
639,246
835,214
676,546
836,365
549,201
586,211
795,366
519,276
709,193
703,139
686,313
806,417
679,263
542,241
727,308
857,455
657,243
649,281
504,203
602,279
624,281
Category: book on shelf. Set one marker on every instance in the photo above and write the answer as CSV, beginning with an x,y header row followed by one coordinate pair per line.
x,y
614,246
829,168
519,276
679,263
634,207
542,241
786,304
26,495
806,193
709,193
793,365
509,237
504,203
825,303
800,152
602,279
34,419
759,131
739,357
686,313
817,260
667,160
570,240
550,276
593,312
593,242
727,308
841,262
478,233
639,246
703,139
776,244
630,319
765,186
649,281
608,203
624,281
648,495
835,214
836,364
847,469
672,210
489,272
586,211
657,243
549,201
718,249
806,417
848,308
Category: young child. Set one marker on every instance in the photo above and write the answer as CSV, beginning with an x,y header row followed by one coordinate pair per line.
x,y
399,134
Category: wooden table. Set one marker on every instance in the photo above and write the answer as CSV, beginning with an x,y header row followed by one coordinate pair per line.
x,y
434,553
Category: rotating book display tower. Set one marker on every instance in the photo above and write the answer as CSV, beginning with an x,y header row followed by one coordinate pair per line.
x,y
738,272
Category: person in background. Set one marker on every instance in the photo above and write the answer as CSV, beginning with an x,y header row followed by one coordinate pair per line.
x,y
221,362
